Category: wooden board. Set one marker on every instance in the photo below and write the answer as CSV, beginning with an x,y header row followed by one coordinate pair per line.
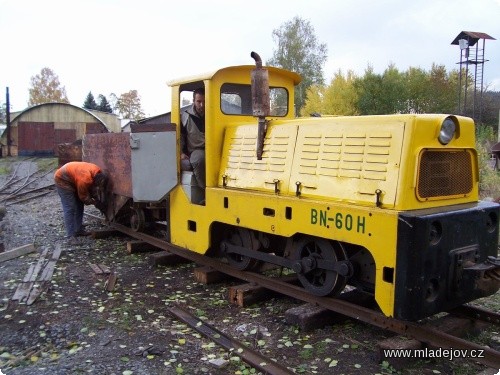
x,y
248,294
100,269
140,247
36,282
207,275
17,252
164,258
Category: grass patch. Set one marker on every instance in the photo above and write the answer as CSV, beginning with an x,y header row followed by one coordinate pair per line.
x,y
6,165
4,169
46,164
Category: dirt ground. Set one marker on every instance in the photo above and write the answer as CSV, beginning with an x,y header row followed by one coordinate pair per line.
x,y
77,327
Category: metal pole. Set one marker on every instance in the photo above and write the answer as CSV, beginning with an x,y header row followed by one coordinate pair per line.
x,y
466,78
7,103
482,77
460,84
474,101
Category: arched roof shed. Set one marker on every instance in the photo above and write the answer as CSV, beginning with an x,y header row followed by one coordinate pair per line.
x,y
39,129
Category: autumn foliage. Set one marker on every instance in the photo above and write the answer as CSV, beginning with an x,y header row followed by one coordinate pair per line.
x,y
46,88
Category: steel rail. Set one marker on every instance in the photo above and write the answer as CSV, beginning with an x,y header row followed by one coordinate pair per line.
x,y
477,313
17,192
17,195
12,177
426,335
27,182
27,198
9,183
252,357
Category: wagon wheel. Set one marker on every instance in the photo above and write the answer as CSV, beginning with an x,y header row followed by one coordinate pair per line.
x,y
137,220
320,282
244,238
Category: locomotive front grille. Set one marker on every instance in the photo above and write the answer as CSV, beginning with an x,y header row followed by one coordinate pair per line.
x,y
444,174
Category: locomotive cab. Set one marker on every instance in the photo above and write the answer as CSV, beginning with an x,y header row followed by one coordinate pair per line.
x,y
228,104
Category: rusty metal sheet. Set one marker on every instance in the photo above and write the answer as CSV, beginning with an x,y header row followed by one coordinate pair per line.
x,y
67,152
141,128
111,152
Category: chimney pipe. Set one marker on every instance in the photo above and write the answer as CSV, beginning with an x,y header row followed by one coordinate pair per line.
x,y
260,100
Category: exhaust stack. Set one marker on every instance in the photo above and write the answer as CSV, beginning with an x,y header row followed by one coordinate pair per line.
x,y
260,100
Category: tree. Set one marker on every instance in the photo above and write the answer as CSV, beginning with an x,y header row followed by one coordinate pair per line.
x,y
104,105
491,106
314,103
298,50
443,90
90,102
393,91
341,97
113,102
46,88
368,91
417,83
129,105
413,91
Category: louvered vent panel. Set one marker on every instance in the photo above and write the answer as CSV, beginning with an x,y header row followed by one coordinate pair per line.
x,y
342,155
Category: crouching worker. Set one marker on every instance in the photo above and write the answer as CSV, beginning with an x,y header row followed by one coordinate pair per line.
x,y
78,184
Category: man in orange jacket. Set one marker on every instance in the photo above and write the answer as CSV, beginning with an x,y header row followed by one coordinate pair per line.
x,y
77,184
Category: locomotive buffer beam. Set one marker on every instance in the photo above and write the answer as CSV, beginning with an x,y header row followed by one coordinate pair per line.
x,y
303,265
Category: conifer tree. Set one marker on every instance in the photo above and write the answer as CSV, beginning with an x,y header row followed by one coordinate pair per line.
x,y
90,102
104,105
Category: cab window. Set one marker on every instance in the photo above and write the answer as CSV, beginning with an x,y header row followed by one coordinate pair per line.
x,y
236,99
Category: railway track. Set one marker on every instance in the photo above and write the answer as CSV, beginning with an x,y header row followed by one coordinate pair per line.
x,y
428,335
26,182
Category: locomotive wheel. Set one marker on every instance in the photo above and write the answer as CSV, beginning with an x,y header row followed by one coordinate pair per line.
x,y
320,282
244,238
137,220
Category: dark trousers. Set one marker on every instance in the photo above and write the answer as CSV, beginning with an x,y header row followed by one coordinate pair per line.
x,y
72,210
197,160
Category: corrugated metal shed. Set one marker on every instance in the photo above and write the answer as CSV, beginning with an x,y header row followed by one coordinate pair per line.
x,y
39,130
155,120
162,119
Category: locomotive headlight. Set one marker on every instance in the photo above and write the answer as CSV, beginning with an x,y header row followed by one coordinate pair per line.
x,y
447,131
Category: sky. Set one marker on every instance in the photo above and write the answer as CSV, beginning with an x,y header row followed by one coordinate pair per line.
x,y
114,46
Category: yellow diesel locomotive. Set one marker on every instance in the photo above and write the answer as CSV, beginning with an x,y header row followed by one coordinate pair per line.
x,y
387,204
